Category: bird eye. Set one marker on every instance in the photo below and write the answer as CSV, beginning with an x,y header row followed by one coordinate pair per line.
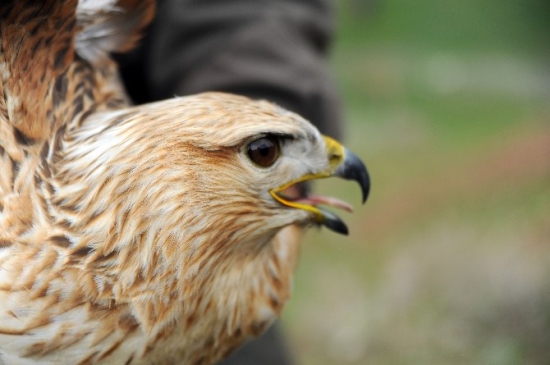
x,y
264,151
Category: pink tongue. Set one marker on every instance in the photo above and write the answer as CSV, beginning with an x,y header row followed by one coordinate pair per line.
x,y
326,200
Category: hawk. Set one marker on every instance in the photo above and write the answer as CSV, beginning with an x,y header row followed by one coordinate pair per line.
x,y
153,234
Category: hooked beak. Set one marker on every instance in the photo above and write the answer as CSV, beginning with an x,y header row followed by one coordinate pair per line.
x,y
342,163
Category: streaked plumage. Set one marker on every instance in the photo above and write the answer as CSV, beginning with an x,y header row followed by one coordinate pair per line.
x,y
138,235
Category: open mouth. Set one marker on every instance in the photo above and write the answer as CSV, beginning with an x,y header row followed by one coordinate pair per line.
x,y
299,195
344,164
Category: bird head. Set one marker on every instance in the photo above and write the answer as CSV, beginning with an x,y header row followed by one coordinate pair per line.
x,y
251,157
210,160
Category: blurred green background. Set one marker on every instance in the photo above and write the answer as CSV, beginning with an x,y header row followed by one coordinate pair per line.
x,y
448,103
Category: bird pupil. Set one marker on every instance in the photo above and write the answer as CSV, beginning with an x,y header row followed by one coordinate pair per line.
x,y
264,150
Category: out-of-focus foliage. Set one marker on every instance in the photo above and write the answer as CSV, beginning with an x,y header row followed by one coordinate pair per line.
x,y
448,102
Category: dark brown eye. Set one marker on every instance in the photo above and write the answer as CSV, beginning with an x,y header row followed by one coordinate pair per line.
x,y
264,151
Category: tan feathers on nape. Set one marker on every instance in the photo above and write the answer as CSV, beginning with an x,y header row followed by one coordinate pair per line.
x,y
108,26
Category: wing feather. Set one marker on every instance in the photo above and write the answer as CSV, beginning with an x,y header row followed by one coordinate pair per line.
x,y
110,26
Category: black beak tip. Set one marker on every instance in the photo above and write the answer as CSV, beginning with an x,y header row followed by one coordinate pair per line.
x,y
334,223
365,185
338,227
354,169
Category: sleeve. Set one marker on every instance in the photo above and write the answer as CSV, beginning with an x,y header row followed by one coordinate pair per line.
x,y
268,49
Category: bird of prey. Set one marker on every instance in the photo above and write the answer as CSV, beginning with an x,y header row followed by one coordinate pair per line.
x,y
155,234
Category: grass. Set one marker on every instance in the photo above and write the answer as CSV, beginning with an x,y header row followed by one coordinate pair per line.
x,y
447,262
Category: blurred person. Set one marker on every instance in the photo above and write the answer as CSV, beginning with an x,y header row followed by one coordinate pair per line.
x,y
263,49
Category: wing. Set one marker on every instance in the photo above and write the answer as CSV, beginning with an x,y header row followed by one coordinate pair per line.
x,y
55,71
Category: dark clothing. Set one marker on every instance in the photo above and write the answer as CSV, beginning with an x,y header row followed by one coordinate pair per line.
x,y
268,349
269,49
264,49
